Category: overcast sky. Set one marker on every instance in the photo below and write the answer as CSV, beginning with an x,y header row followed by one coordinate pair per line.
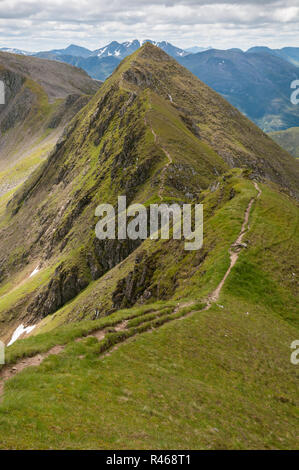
x,y
46,24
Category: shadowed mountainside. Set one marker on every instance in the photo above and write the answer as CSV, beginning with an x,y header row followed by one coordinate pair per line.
x,y
41,97
291,54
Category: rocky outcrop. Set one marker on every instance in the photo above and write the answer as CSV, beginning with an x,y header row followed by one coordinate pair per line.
x,y
136,285
66,284
138,77
108,253
67,110
18,100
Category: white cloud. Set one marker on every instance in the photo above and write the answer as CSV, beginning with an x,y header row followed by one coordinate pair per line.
x,y
36,25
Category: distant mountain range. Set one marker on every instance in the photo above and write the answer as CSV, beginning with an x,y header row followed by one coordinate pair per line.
x,y
257,81
291,54
72,50
194,345
15,51
113,49
100,64
196,49
288,139
120,51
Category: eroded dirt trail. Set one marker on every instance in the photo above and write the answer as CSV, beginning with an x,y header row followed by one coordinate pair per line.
x,y
170,161
163,174
9,371
235,248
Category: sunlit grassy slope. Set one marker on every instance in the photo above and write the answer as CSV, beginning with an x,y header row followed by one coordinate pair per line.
x,y
175,375
110,149
219,379
179,378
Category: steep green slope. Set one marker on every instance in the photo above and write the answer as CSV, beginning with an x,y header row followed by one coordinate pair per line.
x,y
152,132
41,97
288,139
218,379
146,345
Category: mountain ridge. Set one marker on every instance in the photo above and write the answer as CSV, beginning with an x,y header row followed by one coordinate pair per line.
x,y
195,345
291,54
258,84
203,134
112,49
256,81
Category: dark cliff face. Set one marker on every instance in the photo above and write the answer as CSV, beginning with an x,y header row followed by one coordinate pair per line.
x,y
18,100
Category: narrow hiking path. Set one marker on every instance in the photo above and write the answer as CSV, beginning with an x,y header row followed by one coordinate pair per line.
x,y
163,174
10,370
170,161
235,248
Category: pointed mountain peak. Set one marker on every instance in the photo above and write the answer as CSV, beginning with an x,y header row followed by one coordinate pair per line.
x,y
150,51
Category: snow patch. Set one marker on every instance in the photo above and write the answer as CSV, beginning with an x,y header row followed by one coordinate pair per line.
x,y
129,43
102,52
34,272
19,332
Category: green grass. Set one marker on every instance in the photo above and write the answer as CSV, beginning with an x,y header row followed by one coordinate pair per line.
x,y
207,381
268,270
215,380
43,342
219,378
24,167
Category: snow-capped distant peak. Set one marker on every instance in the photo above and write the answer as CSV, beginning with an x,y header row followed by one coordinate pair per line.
x,y
122,50
15,51
130,43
